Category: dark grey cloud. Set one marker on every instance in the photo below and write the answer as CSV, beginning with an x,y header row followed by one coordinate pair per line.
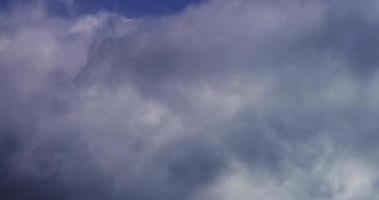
x,y
225,100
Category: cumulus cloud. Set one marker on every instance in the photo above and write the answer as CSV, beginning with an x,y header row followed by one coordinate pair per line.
x,y
224,100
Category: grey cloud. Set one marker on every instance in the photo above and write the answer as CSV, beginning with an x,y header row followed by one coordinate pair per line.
x,y
226,100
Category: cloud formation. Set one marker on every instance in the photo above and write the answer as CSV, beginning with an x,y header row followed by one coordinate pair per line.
x,y
225,100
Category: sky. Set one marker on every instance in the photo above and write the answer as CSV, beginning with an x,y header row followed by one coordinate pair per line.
x,y
191,100
129,8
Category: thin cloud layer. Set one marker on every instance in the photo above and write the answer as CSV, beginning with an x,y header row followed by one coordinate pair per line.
x,y
224,100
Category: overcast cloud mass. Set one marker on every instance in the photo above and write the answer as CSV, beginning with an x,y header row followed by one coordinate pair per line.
x,y
223,100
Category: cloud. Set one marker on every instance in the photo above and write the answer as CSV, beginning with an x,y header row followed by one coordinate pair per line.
x,y
224,100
